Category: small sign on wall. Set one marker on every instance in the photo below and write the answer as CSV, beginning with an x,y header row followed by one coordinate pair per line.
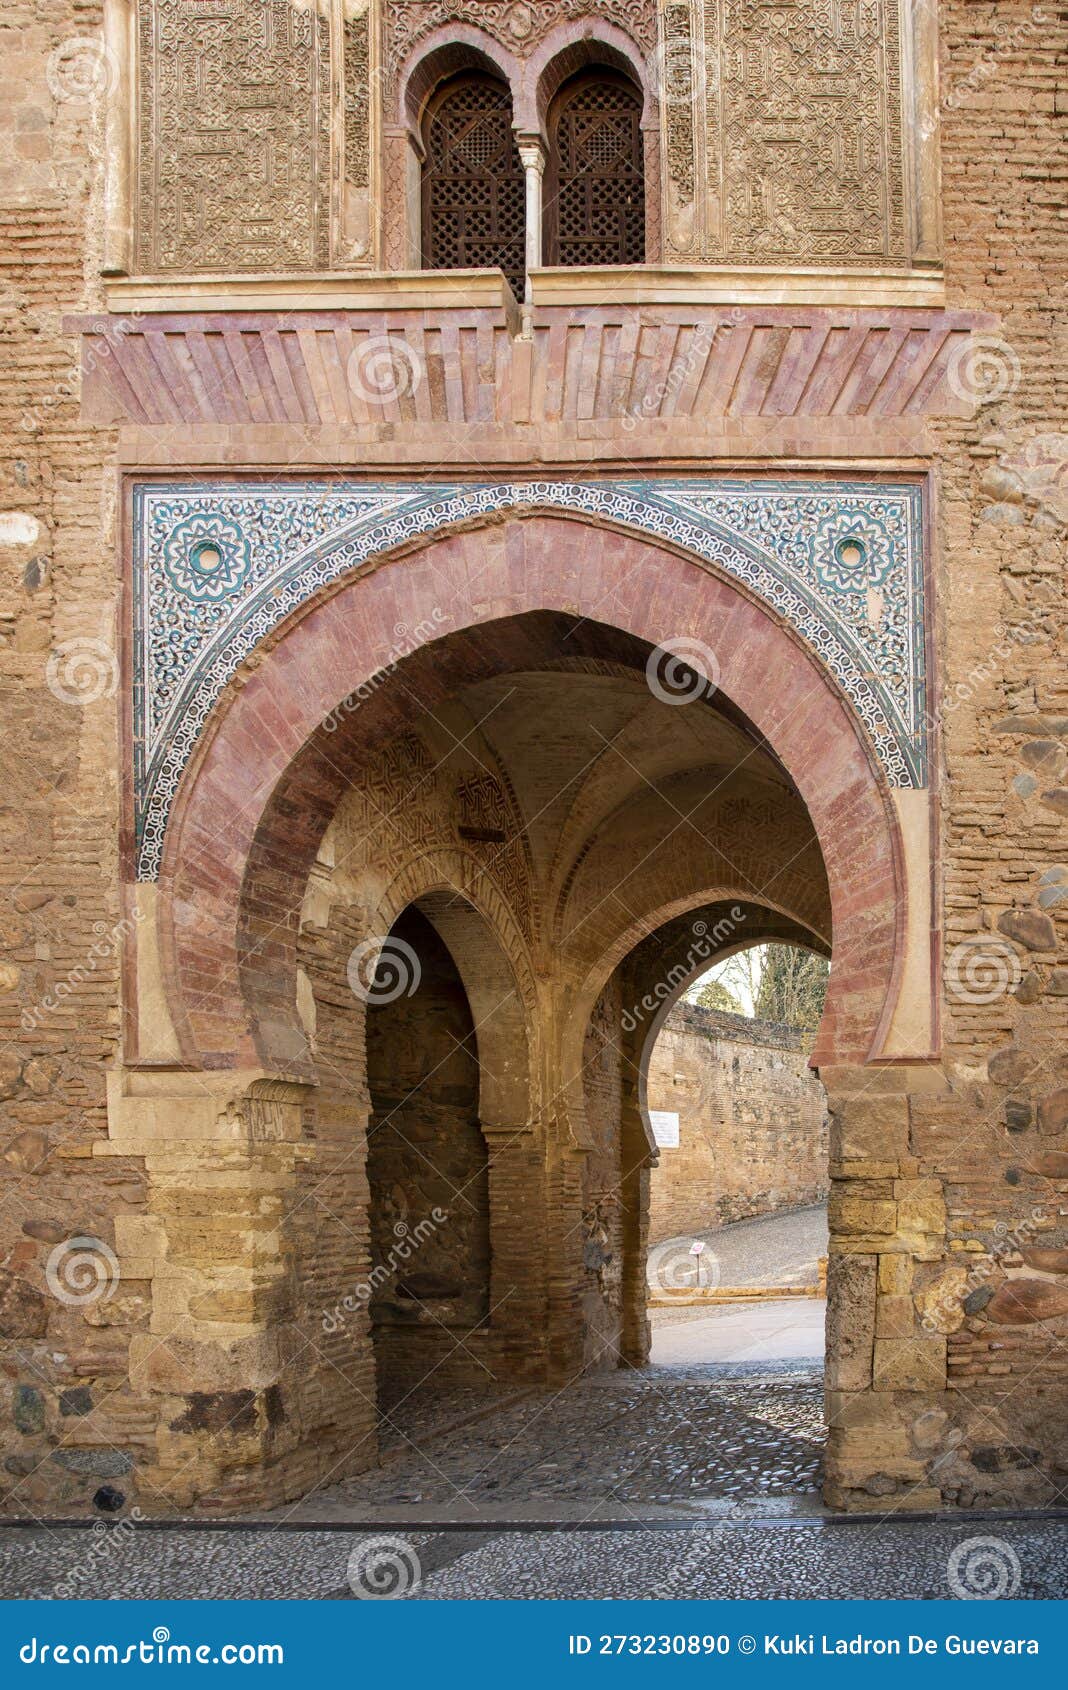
x,y
665,1125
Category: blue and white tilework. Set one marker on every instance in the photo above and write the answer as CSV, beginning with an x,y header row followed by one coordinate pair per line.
x,y
217,565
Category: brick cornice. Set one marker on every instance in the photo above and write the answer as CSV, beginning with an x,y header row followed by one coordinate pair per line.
x,y
627,377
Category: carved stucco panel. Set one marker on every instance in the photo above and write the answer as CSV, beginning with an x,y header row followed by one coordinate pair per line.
x,y
243,129
805,132
520,25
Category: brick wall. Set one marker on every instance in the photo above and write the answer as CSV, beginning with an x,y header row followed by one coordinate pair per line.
x,y
752,1121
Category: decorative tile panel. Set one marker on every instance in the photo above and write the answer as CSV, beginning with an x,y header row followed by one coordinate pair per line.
x,y
217,566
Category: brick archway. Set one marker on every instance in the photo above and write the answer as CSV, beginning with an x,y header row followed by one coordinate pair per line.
x,y
668,956
267,777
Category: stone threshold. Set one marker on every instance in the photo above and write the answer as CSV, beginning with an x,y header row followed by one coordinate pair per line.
x,y
695,1296
821,1517
560,1514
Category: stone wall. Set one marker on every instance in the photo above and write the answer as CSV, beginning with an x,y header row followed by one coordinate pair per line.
x,y
61,912
752,1121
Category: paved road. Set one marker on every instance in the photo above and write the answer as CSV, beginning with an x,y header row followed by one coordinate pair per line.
x,y
779,1249
788,1328
663,1443
813,1559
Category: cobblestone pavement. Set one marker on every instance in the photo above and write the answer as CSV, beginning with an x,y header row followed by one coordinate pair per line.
x,y
1025,1558
617,1446
779,1249
690,1482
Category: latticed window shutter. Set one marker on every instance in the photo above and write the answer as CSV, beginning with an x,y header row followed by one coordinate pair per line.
x,y
473,194
595,188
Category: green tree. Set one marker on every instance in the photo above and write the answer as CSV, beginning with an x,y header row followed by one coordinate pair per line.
x,y
713,994
793,985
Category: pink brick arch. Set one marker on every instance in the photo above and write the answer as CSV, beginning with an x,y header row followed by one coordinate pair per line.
x,y
569,48
443,53
267,776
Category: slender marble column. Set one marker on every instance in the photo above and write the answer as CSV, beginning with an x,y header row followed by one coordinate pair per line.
x,y
532,154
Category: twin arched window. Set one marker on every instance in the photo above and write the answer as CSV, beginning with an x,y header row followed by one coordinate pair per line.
x,y
473,185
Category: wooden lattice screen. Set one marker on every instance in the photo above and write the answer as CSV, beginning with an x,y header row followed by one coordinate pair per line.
x,y
473,196
595,183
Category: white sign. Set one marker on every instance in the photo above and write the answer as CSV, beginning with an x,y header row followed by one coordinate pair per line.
x,y
665,1125
697,1248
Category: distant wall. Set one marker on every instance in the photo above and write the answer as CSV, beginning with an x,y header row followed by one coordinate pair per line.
x,y
752,1121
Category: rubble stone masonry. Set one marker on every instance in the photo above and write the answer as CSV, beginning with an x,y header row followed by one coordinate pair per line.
x,y
752,1121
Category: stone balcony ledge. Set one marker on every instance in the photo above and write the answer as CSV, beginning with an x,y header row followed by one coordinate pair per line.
x,y
612,285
